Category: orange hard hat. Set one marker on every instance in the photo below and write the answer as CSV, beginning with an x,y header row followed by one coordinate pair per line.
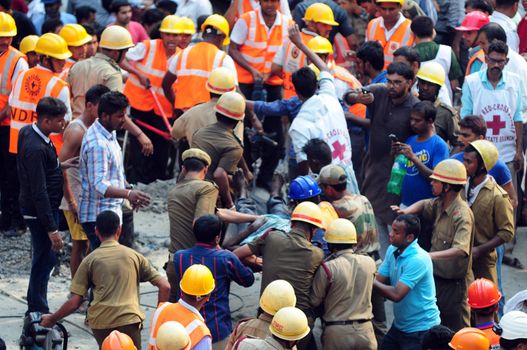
x,y
470,339
118,341
483,293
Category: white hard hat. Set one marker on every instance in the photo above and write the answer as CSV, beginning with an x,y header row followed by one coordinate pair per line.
x,y
517,302
514,325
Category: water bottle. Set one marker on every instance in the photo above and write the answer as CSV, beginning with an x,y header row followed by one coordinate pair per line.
x,y
259,92
397,175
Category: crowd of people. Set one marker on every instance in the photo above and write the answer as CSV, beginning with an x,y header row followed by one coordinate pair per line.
x,y
397,128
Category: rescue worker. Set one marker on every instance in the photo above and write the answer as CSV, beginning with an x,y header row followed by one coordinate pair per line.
x,y
288,327
171,335
343,284
491,207
255,39
470,338
319,20
469,29
191,68
220,143
188,29
239,7
291,256
391,29
277,295
118,341
196,286
430,79
12,64
452,239
39,82
147,64
191,198
27,47
512,328
77,39
483,299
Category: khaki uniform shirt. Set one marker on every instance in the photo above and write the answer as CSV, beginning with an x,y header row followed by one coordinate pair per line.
x,y
346,292
453,228
291,257
446,123
358,210
269,343
220,143
198,117
254,327
114,271
99,69
187,201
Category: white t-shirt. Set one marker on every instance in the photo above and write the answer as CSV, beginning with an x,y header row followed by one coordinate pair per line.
x,y
510,28
193,9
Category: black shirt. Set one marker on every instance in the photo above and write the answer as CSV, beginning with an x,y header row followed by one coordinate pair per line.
x,y
24,27
40,177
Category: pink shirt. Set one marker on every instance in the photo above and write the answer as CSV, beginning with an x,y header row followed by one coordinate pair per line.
x,y
137,31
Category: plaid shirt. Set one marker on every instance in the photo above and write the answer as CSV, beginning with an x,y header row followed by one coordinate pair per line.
x,y
101,166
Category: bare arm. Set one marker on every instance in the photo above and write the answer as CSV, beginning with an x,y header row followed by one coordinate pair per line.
x,y
222,180
513,197
243,251
129,66
294,36
486,247
447,254
407,151
416,208
365,122
164,290
233,217
168,81
234,52
395,294
146,145
72,142
65,310
518,159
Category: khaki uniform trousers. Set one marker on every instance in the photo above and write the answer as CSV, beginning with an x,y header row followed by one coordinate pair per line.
x,y
452,302
353,336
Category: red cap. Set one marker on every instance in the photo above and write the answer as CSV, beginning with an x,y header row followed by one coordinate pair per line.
x,y
473,21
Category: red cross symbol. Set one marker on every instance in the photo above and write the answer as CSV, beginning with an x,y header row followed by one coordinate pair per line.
x,y
496,125
338,150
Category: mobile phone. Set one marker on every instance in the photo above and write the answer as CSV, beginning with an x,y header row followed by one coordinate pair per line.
x,y
393,138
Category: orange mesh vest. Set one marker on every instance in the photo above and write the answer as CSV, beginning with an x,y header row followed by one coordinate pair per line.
x,y
195,327
480,55
343,74
294,60
8,61
261,46
154,66
193,67
30,87
402,36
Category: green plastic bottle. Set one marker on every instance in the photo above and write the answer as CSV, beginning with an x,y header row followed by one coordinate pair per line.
x,y
397,175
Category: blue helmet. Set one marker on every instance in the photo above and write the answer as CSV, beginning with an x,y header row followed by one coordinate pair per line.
x,y
303,187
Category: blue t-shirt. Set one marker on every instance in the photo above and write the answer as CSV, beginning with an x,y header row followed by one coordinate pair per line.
x,y
430,152
500,172
417,311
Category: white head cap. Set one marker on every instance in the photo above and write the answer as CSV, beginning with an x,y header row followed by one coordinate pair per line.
x,y
514,325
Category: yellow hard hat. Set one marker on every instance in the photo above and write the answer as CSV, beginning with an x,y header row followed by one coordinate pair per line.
x,y
197,280
289,323
400,2
220,23
75,35
308,212
188,26
276,295
118,341
52,45
232,105
488,152
28,44
172,24
341,231
328,213
450,171
221,80
321,45
171,335
116,38
470,339
7,25
432,72
321,13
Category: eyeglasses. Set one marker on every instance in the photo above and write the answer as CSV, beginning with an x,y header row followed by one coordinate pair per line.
x,y
395,82
496,62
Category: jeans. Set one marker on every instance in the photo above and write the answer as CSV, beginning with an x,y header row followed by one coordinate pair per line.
x,y
42,263
398,340
501,252
89,229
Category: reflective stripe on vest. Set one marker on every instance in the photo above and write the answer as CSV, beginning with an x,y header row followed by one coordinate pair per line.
x,y
153,329
260,46
480,55
193,67
402,36
27,92
8,62
153,66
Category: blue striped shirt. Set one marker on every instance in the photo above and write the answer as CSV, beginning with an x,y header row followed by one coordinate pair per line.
x,y
225,267
101,166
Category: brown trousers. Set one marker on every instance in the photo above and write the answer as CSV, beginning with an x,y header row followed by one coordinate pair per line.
x,y
132,330
354,336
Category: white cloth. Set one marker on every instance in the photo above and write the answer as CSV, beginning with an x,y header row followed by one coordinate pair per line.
x,y
473,193
240,31
193,9
388,33
513,40
136,53
21,66
284,6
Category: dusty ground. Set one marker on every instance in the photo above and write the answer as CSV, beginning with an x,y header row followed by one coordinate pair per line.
x,y
152,229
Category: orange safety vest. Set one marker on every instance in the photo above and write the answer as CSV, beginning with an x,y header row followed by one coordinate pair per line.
x,y
8,62
66,70
31,86
260,47
343,74
294,60
402,36
479,55
154,66
196,328
193,67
